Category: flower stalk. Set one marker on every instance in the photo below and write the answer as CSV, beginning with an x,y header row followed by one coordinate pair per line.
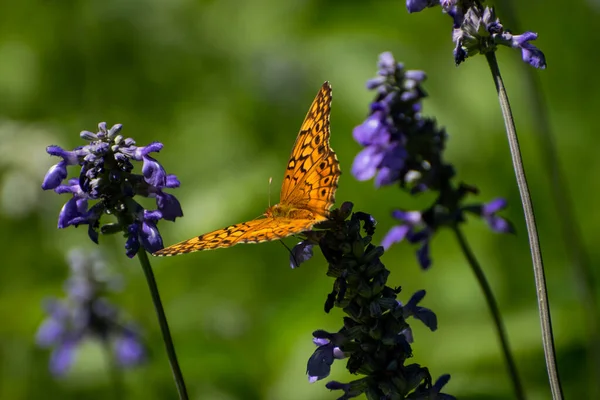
x,y
532,232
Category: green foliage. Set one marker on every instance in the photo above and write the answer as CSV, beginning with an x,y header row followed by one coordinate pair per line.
x,y
225,85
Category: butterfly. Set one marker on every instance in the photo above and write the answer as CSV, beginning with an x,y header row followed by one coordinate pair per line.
x,y
307,193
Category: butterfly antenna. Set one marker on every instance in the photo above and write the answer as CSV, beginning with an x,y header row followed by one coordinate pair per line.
x,y
291,253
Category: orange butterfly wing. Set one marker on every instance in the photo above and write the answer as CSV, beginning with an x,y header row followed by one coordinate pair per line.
x,y
255,231
309,184
313,171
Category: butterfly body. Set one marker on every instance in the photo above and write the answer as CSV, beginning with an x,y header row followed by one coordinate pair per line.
x,y
307,191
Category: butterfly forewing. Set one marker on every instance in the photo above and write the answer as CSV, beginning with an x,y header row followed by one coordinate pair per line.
x,y
313,170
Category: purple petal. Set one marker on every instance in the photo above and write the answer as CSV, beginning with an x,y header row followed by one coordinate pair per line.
x,y
301,253
70,157
150,237
129,351
72,212
499,224
49,332
373,130
154,173
62,357
426,316
319,364
366,163
132,245
423,255
494,206
395,235
172,181
410,217
169,206
55,175
386,176
419,5
531,54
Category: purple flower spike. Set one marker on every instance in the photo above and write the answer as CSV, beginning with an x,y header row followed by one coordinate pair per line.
x,y
106,177
398,142
85,314
531,54
480,32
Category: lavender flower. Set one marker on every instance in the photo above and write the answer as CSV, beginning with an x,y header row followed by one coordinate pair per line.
x,y
85,314
402,146
375,337
477,30
106,177
418,227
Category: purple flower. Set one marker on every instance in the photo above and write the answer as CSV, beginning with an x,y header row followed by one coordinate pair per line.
x,y
419,227
414,230
488,213
412,309
319,364
399,144
106,178
85,314
481,32
531,54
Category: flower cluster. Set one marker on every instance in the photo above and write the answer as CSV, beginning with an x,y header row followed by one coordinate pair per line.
x,y
400,145
404,147
86,314
106,177
477,30
375,338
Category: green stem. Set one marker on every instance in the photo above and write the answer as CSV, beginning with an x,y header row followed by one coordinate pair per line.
x,y
164,326
570,228
115,373
534,243
494,310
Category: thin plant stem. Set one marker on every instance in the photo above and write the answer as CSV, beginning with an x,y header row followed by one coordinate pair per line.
x,y
494,310
570,228
116,377
164,326
534,242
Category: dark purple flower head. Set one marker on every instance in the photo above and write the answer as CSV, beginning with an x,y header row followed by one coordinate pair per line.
x,y
85,314
106,178
375,337
476,30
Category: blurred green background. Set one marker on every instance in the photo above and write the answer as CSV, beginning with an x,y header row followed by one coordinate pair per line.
x,y
225,85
